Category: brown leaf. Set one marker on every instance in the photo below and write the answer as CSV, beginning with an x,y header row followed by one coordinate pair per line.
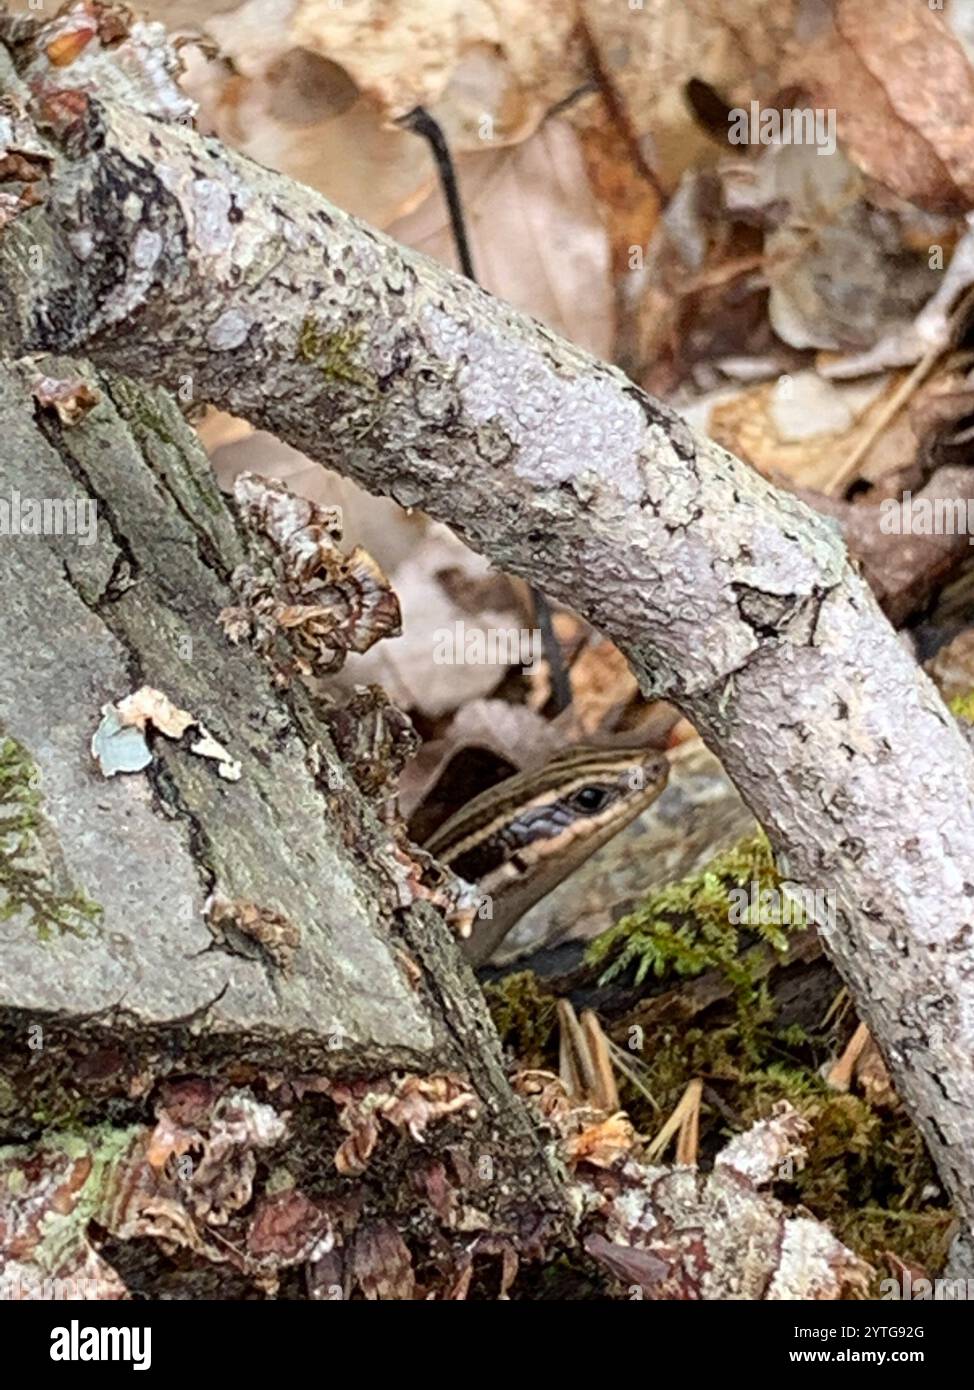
x,y
168,1139
289,111
380,1262
410,1103
904,92
353,1154
431,1181
650,54
326,1276
903,571
411,668
507,61
419,1101
640,1268
536,233
601,1144
190,1100
796,427
286,1228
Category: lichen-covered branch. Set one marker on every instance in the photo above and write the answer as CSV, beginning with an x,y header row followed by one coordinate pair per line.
x,y
170,258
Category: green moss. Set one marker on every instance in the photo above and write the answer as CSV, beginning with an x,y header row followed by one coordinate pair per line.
x,y
334,352
25,884
686,928
963,707
524,1015
8,1097
62,1108
867,1173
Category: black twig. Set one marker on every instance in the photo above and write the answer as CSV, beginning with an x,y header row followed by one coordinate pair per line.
x,y
424,124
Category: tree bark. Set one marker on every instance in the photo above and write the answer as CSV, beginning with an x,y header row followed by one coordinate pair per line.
x,y
111,980
171,259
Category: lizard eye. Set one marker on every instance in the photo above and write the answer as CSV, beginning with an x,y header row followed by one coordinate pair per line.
x,y
590,799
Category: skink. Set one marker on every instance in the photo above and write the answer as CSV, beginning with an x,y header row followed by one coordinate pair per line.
x,y
519,840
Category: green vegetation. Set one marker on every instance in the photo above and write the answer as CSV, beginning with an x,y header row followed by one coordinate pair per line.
x,y
25,877
868,1174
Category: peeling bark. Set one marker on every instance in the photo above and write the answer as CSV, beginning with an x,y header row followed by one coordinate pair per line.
x,y
169,258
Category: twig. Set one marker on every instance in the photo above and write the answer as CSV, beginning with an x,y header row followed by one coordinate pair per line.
x,y
626,1064
684,1121
841,1074
847,466
607,1096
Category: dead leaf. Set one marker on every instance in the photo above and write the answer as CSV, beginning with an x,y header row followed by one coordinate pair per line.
x,y
504,61
288,1228
839,271
391,172
903,571
536,234
794,428
381,1263
409,1103
928,334
650,54
147,706
637,1268
601,1144
410,667
904,92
